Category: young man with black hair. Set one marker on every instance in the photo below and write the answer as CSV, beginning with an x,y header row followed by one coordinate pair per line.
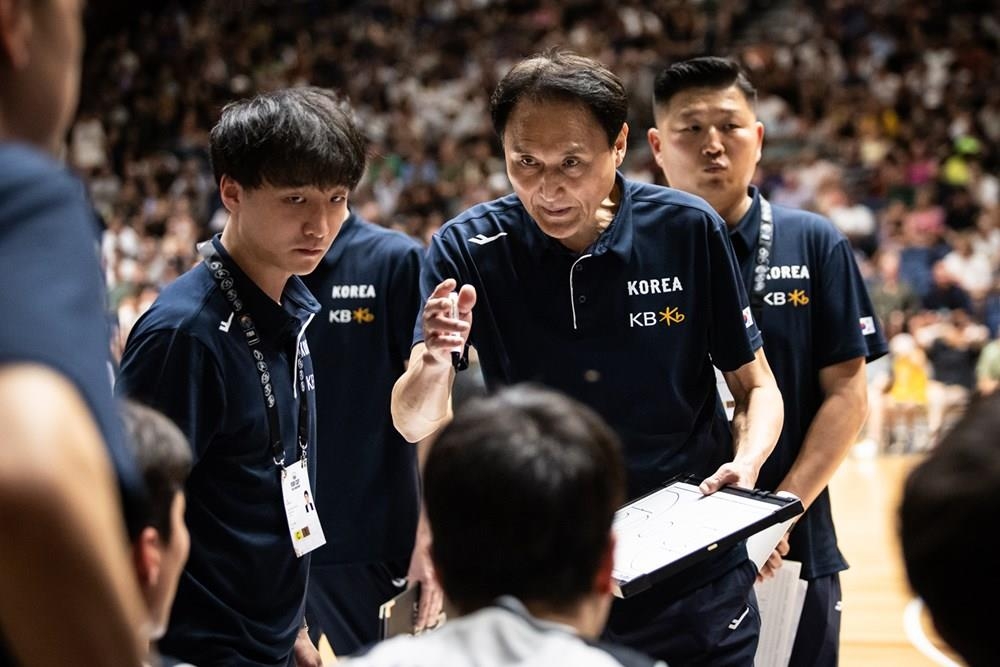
x,y
67,594
622,295
948,518
160,548
222,352
808,299
520,490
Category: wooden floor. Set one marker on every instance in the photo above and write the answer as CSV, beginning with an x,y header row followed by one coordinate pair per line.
x,y
865,496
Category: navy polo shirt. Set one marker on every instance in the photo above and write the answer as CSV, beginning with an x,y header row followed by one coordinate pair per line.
x,y
367,493
816,313
53,296
242,592
630,327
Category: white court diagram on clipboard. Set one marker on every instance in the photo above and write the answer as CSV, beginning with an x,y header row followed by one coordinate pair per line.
x,y
676,526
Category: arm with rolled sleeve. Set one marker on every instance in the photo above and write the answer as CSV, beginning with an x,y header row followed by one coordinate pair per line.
x,y
421,398
833,430
840,352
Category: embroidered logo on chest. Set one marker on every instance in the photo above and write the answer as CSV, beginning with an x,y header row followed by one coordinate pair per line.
x,y
663,285
353,292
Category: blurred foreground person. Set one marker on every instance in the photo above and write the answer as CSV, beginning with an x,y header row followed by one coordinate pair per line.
x,y
520,490
67,592
948,519
160,548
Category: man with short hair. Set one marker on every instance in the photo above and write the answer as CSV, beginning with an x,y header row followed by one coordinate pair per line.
x,y
622,295
520,490
160,548
809,300
947,521
222,352
64,566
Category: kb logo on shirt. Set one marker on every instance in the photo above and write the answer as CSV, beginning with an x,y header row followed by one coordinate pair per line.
x,y
670,315
346,316
796,297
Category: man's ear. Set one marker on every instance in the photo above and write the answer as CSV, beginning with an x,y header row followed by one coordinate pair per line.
x,y
602,579
621,144
147,552
759,128
15,32
653,137
230,191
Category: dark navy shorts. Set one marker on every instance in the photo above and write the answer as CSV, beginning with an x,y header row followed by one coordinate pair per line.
x,y
817,642
716,625
343,602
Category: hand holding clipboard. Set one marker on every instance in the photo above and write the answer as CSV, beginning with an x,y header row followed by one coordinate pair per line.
x,y
672,528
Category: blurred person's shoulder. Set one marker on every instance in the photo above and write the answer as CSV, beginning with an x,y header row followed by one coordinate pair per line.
x,y
32,183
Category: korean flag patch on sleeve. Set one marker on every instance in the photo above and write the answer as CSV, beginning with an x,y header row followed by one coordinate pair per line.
x,y
748,318
867,325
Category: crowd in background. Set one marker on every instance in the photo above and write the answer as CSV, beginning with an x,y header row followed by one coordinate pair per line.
x,y
882,115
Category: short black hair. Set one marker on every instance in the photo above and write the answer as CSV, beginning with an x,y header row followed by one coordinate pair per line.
x,y
521,490
562,76
704,72
294,137
163,457
948,529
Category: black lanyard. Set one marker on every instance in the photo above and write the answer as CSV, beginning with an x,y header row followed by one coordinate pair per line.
x,y
224,279
765,240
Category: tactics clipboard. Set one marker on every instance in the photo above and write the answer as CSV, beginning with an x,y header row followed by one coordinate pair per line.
x,y
674,527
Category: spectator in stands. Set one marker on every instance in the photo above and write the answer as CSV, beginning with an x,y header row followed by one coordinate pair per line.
x,y
892,298
971,269
945,292
906,399
952,342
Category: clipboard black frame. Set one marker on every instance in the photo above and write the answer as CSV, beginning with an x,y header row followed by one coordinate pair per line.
x,y
786,508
